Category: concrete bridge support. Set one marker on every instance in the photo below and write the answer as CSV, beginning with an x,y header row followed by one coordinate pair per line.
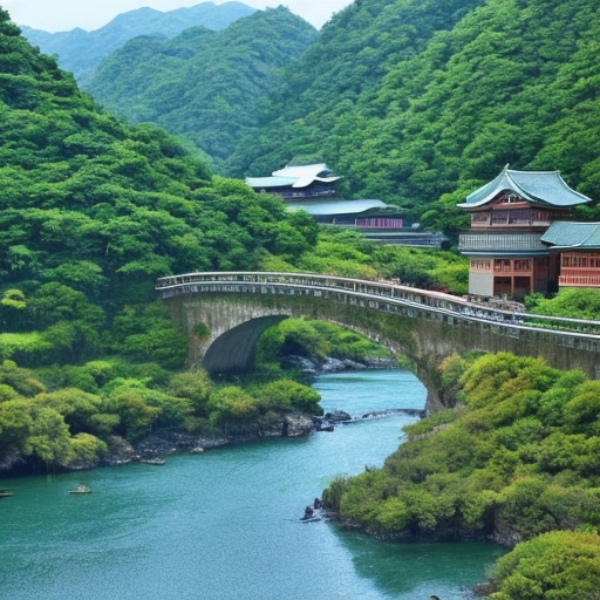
x,y
232,323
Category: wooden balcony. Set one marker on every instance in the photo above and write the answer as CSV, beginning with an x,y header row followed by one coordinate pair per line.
x,y
578,278
500,242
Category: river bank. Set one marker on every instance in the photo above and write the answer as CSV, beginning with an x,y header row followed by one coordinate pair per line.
x,y
121,450
225,524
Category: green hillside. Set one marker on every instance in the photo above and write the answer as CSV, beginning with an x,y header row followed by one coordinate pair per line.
x,y
203,85
82,51
92,211
412,100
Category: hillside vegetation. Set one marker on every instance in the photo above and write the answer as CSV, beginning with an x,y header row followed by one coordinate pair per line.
x,y
415,101
517,458
203,85
82,51
91,212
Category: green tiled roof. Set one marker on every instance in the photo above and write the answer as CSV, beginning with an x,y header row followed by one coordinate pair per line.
x,y
538,187
566,235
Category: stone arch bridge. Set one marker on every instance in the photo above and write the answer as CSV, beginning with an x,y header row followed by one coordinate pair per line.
x,y
224,313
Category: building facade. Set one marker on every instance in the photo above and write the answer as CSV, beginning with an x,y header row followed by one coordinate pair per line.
x,y
577,248
509,217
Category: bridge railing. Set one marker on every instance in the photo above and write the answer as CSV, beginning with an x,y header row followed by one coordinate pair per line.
x,y
428,300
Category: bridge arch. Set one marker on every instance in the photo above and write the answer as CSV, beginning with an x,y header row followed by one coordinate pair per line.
x,y
235,308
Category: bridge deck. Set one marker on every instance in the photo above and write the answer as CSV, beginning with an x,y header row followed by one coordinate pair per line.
x,y
390,297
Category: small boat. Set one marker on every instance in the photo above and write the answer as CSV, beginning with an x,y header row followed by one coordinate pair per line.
x,y
153,461
5,494
80,489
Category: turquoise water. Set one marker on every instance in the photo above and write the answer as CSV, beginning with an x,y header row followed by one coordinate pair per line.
x,y
224,525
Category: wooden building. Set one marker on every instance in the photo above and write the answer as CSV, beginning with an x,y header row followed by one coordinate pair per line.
x,y
577,246
312,188
509,216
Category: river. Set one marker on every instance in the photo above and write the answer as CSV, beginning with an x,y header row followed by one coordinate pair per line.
x,y
224,525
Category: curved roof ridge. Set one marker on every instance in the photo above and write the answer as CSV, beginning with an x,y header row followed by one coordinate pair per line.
x,y
517,188
541,187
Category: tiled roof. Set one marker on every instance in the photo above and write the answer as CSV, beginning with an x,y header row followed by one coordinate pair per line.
x,y
297,177
269,182
538,187
572,235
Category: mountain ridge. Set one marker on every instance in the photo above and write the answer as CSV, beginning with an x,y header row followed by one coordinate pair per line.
x,y
203,85
80,51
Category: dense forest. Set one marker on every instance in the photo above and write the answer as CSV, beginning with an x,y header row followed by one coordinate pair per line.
x,y
92,211
205,86
413,101
517,457
82,51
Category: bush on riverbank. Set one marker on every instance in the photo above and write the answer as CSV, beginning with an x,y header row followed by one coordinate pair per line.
x,y
315,340
553,566
67,417
519,457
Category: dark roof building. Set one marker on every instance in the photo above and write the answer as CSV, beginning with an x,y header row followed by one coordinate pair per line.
x,y
312,188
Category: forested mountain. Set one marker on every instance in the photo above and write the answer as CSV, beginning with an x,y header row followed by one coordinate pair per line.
x,y
413,99
203,85
81,51
92,211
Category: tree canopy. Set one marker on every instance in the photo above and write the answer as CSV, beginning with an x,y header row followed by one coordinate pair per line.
x,y
418,103
203,85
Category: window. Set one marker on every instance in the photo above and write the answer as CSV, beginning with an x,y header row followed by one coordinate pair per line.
x,y
481,265
500,217
502,265
523,264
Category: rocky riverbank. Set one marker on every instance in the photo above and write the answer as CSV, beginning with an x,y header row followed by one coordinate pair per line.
x,y
121,451
336,365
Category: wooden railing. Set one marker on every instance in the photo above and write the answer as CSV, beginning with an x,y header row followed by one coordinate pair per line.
x,y
479,241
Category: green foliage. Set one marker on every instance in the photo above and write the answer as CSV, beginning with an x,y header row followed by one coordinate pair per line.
x,y
232,409
146,333
286,394
195,387
555,565
575,303
205,86
520,457
313,339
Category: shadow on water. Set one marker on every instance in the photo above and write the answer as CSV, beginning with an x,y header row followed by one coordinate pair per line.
x,y
417,570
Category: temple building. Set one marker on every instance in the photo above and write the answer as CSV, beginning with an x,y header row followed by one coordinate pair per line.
x,y
509,217
578,248
312,188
